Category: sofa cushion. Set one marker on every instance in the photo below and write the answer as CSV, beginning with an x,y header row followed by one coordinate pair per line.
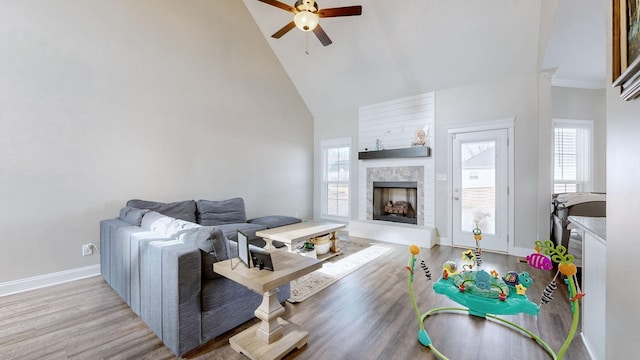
x,y
213,246
185,210
273,221
132,215
221,212
231,230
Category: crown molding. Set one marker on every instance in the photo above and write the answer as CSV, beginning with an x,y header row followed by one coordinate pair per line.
x,y
591,85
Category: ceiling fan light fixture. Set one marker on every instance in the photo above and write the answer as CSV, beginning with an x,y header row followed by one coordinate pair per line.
x,y
306,20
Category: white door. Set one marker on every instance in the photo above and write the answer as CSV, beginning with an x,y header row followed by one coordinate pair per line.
x,y
480,188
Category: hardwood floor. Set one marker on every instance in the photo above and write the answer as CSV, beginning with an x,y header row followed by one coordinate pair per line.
x,y
366,315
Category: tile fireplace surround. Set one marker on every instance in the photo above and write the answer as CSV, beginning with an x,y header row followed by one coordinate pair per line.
x,y
398,173
418,170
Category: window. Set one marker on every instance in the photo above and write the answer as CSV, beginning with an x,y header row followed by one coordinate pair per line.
x,y
572,155
335,178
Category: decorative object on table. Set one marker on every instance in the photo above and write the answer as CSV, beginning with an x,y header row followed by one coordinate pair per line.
x,y
243,250
261,259
322,244
420,138
487,295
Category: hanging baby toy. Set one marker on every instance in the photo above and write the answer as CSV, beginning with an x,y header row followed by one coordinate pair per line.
x,y
488,295
477,236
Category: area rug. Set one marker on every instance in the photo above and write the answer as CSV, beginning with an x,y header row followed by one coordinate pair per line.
x,y
334,269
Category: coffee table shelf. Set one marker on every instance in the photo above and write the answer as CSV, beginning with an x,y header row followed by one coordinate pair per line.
x,y
290,235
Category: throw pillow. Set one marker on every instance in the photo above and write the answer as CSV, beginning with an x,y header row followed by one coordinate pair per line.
x,y
156,222
132,215
213,246
273,221
177,226
185,210
229,211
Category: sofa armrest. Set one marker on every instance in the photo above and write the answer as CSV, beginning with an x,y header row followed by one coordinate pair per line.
x,y
170,286
181,303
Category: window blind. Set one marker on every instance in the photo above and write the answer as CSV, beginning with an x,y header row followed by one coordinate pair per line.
x,y
572,156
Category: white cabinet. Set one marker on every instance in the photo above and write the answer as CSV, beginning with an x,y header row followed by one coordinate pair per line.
x,y
594,258
593,304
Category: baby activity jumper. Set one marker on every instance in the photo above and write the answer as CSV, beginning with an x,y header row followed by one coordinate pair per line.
x,y
491,294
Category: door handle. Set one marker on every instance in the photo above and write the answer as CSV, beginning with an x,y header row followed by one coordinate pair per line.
x,y
456,198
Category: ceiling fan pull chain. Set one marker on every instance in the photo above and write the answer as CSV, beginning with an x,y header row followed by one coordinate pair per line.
x,y
306,43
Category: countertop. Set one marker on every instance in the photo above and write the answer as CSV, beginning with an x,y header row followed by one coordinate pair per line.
x,y
596,226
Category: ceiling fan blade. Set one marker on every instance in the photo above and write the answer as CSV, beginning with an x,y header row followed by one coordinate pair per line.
x,y
285,29
340,11
322,36
280,5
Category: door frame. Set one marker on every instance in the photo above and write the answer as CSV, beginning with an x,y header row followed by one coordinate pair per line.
x,y
509,125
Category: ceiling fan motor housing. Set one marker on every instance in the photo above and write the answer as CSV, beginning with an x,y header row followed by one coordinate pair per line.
x,y
306,5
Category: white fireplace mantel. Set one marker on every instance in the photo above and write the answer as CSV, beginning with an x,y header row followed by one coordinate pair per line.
x,y
408,169
392,126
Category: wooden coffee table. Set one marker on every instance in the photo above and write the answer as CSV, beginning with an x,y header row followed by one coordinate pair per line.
x,y
274,337
290,235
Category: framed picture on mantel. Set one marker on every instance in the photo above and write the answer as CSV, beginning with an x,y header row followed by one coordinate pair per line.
x,y
626,47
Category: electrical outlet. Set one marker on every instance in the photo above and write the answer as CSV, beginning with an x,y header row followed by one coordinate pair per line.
x,y
87,250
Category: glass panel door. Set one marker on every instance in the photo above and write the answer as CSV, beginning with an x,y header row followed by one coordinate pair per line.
x,y
479,188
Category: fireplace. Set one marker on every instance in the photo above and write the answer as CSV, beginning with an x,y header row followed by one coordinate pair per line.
x,y
395,201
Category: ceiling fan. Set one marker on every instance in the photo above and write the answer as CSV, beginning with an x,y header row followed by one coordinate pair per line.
x,y
307,17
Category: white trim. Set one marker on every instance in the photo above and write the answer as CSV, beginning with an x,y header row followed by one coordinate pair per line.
x,y
335,142
484,126
510,125
590,85
574,123
36,282
587,345
520,251
324,145
511,148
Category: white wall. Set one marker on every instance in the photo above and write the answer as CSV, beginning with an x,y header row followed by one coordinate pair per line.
x,y
586,104
623,239
103,101
508,98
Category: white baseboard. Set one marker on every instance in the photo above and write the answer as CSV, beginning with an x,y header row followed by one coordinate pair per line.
x,y
36,282
588,346
521,252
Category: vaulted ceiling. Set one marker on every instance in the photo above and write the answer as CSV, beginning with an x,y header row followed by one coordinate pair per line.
x,y
402,48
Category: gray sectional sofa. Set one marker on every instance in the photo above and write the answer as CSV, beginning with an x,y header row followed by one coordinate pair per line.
x,y
159,258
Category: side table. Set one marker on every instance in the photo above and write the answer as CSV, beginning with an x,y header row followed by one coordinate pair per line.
x,y
273,337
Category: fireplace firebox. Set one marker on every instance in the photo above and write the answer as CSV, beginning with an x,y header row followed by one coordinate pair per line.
x,y
395,201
